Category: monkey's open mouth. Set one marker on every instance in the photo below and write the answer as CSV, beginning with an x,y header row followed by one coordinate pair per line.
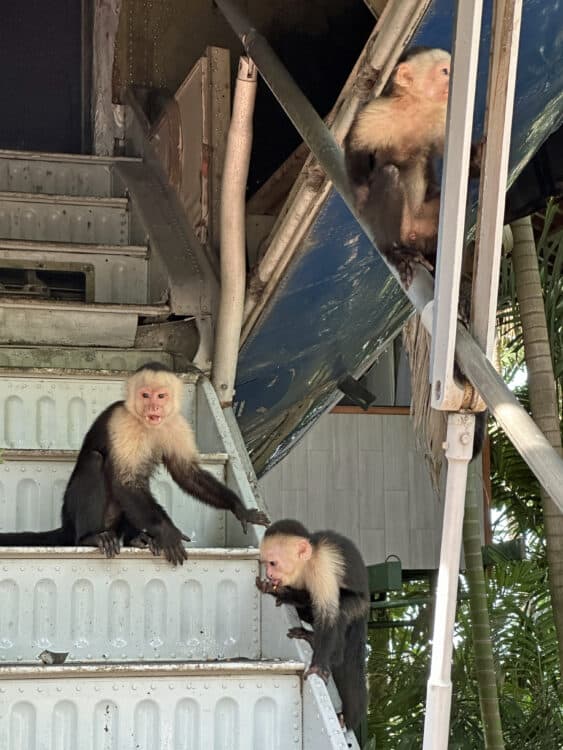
x,y
154,418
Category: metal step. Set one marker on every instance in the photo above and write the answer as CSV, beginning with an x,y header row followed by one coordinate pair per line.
x,y
113,273
133,608
235,706
74,358
63,218
44,322
59,174
53,412
33,483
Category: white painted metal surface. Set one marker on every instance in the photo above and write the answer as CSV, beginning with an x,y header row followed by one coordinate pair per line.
x,y
135,607
61,218
494,171
31,495
55,412
446,394
120,271
228,709
439,690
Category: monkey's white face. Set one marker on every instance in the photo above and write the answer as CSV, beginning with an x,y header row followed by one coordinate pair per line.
x,y
435,83
153,405
284,559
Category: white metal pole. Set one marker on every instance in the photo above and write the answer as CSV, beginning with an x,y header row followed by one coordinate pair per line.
x,y
459,449
233,233
446,395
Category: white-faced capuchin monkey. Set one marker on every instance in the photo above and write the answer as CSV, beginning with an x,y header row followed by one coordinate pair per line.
x,y
390,153
323,575
108,499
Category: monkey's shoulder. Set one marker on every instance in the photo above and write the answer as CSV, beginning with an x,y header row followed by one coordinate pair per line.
x,y
97,437
399,128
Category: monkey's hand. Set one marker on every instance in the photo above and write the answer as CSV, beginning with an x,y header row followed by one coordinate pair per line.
x,y
404,259
169,541
106,541
319,670
302,634
267,587
252,515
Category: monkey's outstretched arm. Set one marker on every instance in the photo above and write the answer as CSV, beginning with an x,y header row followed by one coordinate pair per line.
x,y
209,490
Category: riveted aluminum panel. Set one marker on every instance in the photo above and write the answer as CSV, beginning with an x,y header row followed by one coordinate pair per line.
x,y
28,216
120,273
236,712
135,607
55,176
24,323
56,412
73,358
31,495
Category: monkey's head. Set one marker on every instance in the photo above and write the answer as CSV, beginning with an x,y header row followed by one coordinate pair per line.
x,y
285,551
423,73
153,394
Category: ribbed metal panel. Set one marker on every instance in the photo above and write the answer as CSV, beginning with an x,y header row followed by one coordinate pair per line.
x,y
28,216
135,607
55,413
31,494
120,272
55,175
235,712
72,358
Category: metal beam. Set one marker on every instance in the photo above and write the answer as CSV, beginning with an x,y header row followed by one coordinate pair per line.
x,y
518,425
446,394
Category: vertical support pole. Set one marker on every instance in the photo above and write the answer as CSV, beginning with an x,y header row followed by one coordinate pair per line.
x,y
494,170
459,449
451,235
233,233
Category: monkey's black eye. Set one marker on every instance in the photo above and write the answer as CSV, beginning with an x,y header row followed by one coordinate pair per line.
x,y
446,71
162,395
145,395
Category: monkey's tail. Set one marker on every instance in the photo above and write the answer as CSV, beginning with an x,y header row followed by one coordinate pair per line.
x,y
350,675
62,537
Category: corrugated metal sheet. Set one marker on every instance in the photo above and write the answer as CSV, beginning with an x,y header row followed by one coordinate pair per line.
x,y
134,608
229,712
31,494
55,175
55,413
32,216
120,272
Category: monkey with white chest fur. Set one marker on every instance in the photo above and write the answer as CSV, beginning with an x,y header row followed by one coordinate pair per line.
x,y
108,499
323,575
390,153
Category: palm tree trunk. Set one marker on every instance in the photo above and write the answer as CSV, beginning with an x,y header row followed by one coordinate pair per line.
x,y
543,395
480,626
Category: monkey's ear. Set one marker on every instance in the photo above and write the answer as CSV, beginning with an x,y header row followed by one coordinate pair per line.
x,y
304,549
403,75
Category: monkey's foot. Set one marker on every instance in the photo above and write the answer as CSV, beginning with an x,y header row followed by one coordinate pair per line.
x,y
253,515
302,634
404,259
322,672
106,541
